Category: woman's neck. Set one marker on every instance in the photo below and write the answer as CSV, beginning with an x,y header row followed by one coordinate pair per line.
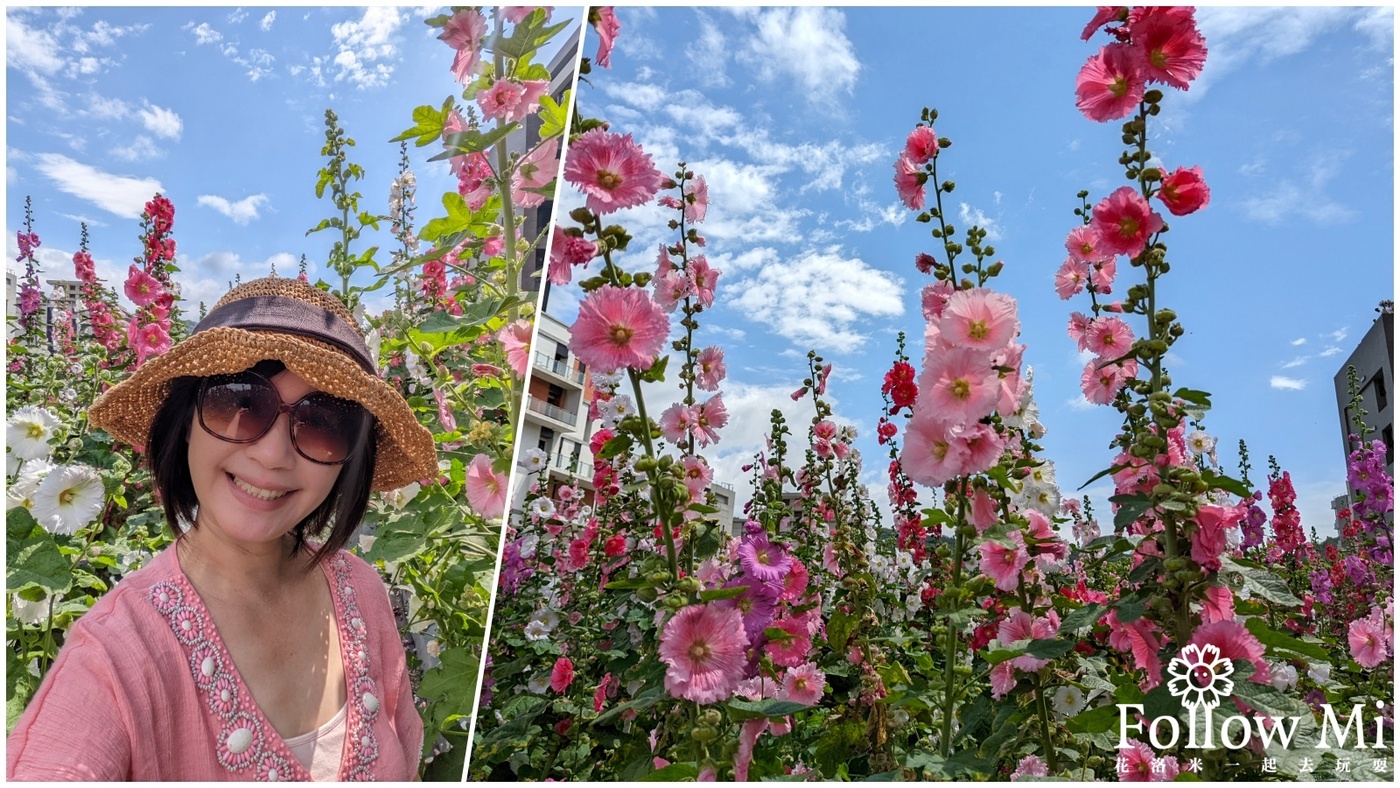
x,y
227,568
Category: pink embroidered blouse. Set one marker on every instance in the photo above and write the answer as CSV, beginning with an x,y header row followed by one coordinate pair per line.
x,y
144,689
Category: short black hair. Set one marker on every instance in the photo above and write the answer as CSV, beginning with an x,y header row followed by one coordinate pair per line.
x,y
167,453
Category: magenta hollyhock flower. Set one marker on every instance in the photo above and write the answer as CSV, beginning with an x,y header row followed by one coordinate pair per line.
x,y
1004,564
486,489
515,339
1184,191
794,582
709,368
909,182
1083,244
710,416
756,605
980,318
1071,278
792,647
567,251
1173,50
1111,83
1140,764
1104,15
804,683
608,27
958,383
1367,638
1219,605
1109,337
921,145
142,288
612,170
619,328
1208,541
703,647
697,200
562,675
764,560
1125,222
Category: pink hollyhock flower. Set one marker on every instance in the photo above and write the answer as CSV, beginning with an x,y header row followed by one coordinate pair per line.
x,y
1141,639
1219,605
748,738
1140,764
984,511
1083,245
567,251
486,489
670,288
703,279
958,384
1003,679
921,145
1030,766
515,339
1020,625
1173,50
792,647
601,693
563,674
709,368
463,32
1109,337
710,416
930,456
1101,382
1079,329
1208,541
703,647
698,475
516,14
676,423
502,100
1111,83
1071,278
984,447
536,171
1184,191
142,288
697,200
608,27
1235,642
794,582
449,422
756,605
979,318
1101,276
1125,222
1367,639
1105,14
804,683
149,340
909,182
619,327
934,298
531,91
612,170
1004,564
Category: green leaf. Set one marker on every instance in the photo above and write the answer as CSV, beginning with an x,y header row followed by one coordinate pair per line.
x,y
32,557
1220,481
530,34
1049,649
614,446
553,115
838,630
1095,720
1201,398
1267,699
716,594
675,772
428,125
642,702
1130,609
473,141
1130,507
1264,584
768,707
1275,640
1086,616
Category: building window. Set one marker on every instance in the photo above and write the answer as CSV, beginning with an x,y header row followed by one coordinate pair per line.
x,y
556,396
546,439
1388,435
1378,384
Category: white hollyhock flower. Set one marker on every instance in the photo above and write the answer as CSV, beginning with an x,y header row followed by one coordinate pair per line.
x,y
21,491
546,618
32,613
399,498
1069,701
536,630
69,498
538,683
542,508
1320,672
534,460
28,431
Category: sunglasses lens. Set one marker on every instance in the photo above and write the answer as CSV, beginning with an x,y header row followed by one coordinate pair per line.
x,y
239,408
326,428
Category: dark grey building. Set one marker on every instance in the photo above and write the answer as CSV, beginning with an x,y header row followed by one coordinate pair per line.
x,y
1375,375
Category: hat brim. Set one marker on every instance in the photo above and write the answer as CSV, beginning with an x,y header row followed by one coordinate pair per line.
x,y
404,448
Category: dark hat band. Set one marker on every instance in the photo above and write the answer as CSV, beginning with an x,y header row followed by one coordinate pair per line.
x,y
290,316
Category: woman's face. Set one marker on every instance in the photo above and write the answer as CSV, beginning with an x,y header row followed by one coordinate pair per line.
x,y
257,492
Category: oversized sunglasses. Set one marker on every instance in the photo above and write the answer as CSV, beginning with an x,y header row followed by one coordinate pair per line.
x,y
241,408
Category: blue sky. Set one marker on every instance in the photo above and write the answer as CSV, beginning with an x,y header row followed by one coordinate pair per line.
x,y
221,109
795,118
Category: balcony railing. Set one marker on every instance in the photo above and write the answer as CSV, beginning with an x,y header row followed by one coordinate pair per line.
x,y
559,367
552,411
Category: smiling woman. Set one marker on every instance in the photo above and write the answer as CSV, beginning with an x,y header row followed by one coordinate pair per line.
x,y
272,650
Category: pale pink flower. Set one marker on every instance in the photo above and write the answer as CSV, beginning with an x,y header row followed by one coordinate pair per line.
x,y
1125,222
502,100
612,170
1219,605
515,340
676,423
1101,276
979,318
567,251
670,287
697,475
1104,15
710,416
1101,381
1071,278
1184,191
1004,564
486,488
804,683
749,732
142,288
1367,639
697,200
1003,679
1109,337
516,14
958,384
619,327
531,92
1030,766
536,171
984,511
930,456
921,145
984,446
463,32
1079,329
934,298
1083,244
709,368
704,279
607,27
703,647
1140,764
909,182
1111,83
1173,50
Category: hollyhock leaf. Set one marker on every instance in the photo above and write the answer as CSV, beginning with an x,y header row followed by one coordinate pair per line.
x,y
1130,609
702,508
716,594
1193,395
1274,641
657,373
1220,481
1130,507
1100,475
1268,700
428,127
960,617
1082,617
838,630
1263,584
553,115
629,584
1146,570
473,141
768,707
642,702
894,674
673,773
614,446
1095,720
1001,655
32,558
528,36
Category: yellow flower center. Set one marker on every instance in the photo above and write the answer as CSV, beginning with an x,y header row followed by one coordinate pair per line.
x,y
699,651
977,329
961,388
34,431
1127,227
66,497
1119,87
620,335
609,180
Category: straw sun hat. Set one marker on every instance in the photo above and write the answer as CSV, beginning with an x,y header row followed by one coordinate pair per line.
x,y
309,331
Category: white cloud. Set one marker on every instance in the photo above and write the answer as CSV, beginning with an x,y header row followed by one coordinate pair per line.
x,y
241,212
106,107
267,20
757,257
122,195
969,216
1299,341
1253,36
641,95
141,149
32,50
1338,335
364,43
207,278
818,298
1291,384
205,34
161,122
1283,203
708,52
237,15
807,45
1329,351
1296,362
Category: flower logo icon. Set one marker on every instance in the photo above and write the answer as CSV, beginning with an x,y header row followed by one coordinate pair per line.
x,y
1200,676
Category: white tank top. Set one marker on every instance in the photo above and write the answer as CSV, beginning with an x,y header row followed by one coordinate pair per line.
x,y
320,750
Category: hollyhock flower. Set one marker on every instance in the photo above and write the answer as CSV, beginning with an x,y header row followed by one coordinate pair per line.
x,y
1125,222
1104,15
958,384
501,100
930,456
1367,639
486,488
1110,84
703,647
28,432
535,171
463,32
794,582
516,14
601,693
697,199
764,560
1140,764
1004,564
619,327
1020,625
68,499
612,170
1079,329
142,288
1235,642
149,340
1219,605
1003,679
749,732
934,297
756,605
1208,541
921,145
1071,278
703,279
562,675
1139,638
794,644
1030,766
1109,337
1184,191
1174,51
981,319
1083,244
709,368
1068,701
515,339
608,27
909,182
804,683
710,416
984,447
1101,381
900,386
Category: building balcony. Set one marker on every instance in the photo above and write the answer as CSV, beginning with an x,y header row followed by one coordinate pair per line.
x,y
552,411
560,369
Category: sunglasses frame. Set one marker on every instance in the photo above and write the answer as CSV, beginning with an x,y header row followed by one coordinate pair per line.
x,y
282,408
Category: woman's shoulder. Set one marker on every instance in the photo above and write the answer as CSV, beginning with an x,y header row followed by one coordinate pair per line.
x,y
127,609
